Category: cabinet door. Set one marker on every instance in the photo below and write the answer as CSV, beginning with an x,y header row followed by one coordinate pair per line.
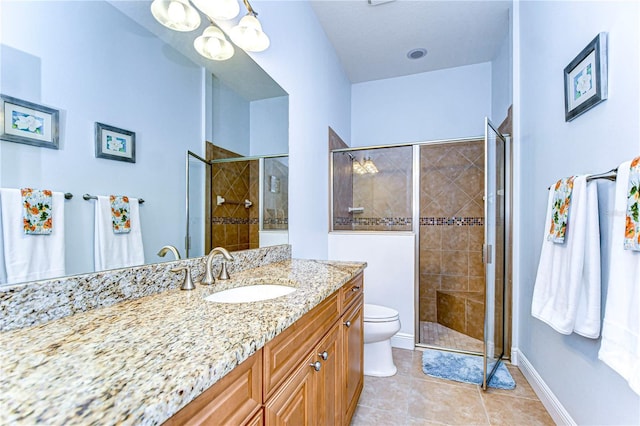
x,y
283,354
295,402
353,364
329,378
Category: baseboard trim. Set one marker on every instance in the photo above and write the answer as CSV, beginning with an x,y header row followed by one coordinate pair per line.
x,y
403,341
553,405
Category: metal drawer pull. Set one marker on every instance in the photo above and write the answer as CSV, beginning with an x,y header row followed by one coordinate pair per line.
x,y
324,355
316,365
348,323
356,288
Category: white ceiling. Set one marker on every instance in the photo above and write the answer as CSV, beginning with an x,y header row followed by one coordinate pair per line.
x,y
372,42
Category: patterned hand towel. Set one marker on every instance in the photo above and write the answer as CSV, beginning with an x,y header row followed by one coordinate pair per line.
x,y
120,217
632,222
560,210
37,216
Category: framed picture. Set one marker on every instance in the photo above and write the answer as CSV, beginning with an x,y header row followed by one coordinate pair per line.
x,y
585,79
115,144
28,123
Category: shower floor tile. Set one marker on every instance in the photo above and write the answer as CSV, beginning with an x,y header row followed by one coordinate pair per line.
x,y
434,334
413,398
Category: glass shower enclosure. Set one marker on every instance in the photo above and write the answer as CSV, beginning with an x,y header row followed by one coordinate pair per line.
x,y
453,195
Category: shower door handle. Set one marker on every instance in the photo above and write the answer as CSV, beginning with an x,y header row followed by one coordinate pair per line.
x,y
486,253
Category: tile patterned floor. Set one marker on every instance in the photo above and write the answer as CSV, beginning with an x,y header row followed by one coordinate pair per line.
x,y
413,398
434,334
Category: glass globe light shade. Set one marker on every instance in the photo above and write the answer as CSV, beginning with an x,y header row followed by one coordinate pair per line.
x,y
358,169
370,166
218,9
177,15
248,34
213,45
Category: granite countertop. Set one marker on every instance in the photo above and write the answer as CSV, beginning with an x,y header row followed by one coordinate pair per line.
x,y
140,361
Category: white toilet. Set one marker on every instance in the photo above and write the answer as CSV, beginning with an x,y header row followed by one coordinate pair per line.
x,y
380,324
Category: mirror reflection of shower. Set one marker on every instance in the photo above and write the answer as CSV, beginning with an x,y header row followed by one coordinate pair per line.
x,y
237,202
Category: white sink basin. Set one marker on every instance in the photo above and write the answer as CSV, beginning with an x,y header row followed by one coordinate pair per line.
x,y
250,293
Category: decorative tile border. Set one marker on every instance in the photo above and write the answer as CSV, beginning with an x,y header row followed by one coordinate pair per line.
x,y
234,221
32,303
373,221
283,221
449,221
406,221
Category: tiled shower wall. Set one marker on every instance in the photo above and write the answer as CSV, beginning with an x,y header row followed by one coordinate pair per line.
x,y
451,277
232,225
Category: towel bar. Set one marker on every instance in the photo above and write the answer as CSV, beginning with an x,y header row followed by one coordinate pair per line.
x,y
94,197
610,175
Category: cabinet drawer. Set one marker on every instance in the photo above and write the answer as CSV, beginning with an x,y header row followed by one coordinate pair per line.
x,y
351,290
235,399
285,351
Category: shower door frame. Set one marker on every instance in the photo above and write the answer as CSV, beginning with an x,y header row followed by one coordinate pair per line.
x,y
207,203
416,224
507,244
489,253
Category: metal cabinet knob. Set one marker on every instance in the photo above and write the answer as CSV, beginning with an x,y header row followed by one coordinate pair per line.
x,y
324,355
348,323
316,365
356,288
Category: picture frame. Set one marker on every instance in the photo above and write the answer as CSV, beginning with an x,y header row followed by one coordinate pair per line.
x,y
114,143
585,78
28,123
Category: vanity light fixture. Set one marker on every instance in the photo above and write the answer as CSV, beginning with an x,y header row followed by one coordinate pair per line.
x,y
248,34
358,169
212,44
369,166
181,15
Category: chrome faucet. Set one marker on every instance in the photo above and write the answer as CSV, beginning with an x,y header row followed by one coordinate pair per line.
x,y
208,274
171,249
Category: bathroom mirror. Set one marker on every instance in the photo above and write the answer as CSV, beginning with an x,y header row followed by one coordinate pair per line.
x,y
110,62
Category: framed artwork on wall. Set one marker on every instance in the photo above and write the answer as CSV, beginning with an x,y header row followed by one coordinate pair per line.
x,y
585,79
28,123
115,144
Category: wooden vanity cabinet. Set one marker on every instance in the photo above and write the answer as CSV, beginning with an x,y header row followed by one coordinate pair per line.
x,y
310,374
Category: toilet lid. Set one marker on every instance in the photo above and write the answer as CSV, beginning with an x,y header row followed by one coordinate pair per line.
x,y
377,313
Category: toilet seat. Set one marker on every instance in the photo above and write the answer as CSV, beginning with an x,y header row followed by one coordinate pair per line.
x,y
377,313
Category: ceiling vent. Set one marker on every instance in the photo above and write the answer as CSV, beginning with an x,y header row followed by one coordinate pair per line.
x,y
417,53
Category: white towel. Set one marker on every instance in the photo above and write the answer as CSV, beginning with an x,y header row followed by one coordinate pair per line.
x,y
620,348
30,257
566,295
113,250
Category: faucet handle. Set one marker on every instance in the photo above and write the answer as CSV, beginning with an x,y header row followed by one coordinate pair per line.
x,y
224,274
187,284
